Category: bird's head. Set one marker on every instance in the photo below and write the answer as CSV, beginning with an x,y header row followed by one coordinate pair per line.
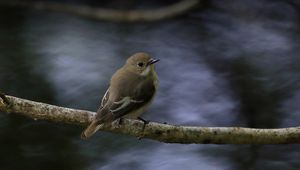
x,y
141,63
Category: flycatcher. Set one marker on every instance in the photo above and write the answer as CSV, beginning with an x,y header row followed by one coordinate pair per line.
x,y
131,91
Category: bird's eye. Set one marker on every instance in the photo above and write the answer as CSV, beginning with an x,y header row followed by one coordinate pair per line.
x,y
140,64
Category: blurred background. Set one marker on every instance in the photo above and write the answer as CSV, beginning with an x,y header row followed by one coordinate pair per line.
x,y
223,63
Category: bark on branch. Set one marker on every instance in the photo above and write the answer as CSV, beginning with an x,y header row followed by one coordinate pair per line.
x,y
156,131
109,14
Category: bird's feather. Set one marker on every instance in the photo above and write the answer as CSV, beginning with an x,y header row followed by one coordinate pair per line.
x,y
130,93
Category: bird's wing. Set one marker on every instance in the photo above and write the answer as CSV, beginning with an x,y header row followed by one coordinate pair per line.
x,y
125,105
125,95
105,98
132,100
112,110
101,117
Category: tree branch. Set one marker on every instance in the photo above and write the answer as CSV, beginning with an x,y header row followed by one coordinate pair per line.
x,y
110,14
156,131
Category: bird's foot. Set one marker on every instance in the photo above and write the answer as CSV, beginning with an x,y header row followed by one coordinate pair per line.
x,y
144,121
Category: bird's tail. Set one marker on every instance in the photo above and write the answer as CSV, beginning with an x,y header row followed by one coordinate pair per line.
x,y
91,129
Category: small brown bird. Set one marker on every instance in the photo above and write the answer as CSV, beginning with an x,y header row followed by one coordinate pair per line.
x,y
131,91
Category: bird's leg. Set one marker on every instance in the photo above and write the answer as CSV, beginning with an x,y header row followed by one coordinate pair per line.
x,y
144,121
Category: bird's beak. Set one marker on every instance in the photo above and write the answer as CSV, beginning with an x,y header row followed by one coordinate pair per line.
x,y
152,61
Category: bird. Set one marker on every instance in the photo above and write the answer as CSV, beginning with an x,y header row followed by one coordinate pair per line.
x,y
131,90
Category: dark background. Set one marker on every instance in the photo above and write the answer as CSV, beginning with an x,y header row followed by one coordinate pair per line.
x,y
226,63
